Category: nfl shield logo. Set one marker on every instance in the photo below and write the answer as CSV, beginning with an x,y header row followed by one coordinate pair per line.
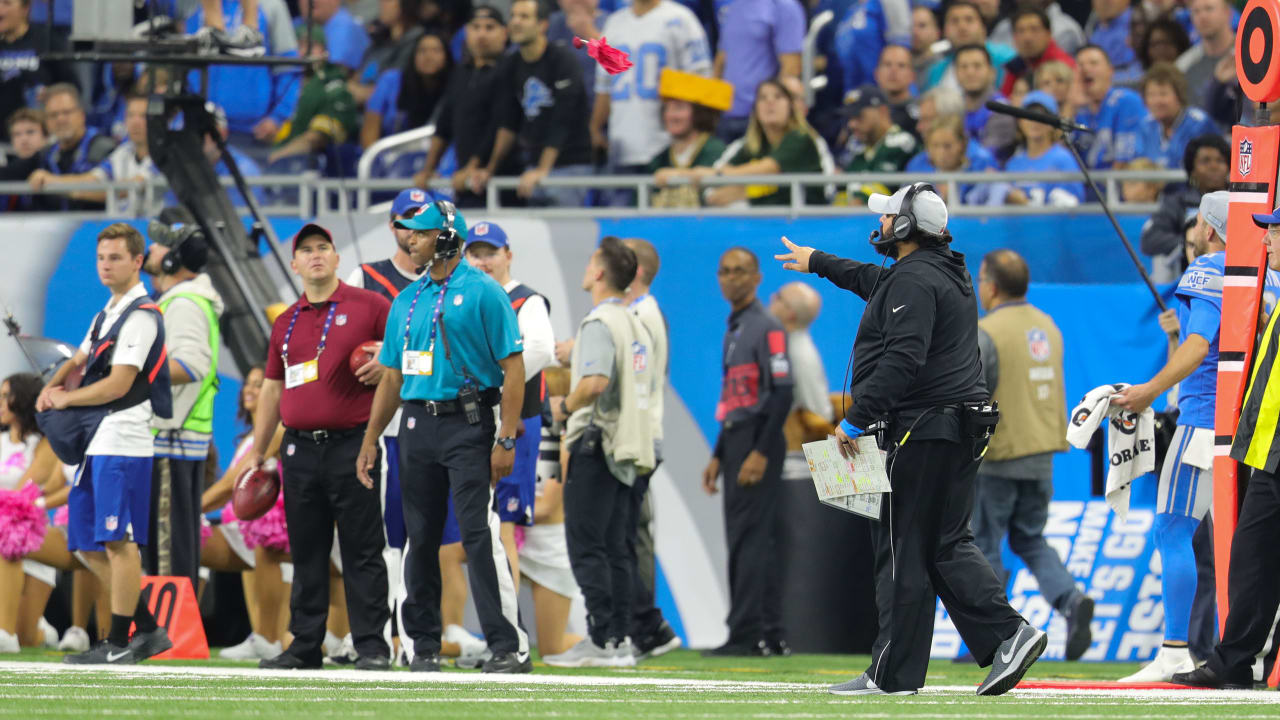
x,y
111,522
1038,344
341,319
481,229
291,450
513,504
417,196
1244,161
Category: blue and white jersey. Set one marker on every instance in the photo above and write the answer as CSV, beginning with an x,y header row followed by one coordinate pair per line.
x,y
1056,194
858,42
1199,296
1116,128
977,159
1167,152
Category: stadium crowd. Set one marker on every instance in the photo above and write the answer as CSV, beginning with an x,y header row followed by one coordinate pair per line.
x,y
716,90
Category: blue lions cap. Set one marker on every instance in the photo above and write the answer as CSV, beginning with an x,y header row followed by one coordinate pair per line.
x,y
1264,220
408,202
487,232
429,217
1041,98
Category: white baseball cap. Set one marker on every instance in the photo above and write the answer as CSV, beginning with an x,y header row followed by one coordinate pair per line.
x,y
1214,207
929,210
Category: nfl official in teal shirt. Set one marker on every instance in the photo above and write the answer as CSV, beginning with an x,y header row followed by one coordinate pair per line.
x,y
452,351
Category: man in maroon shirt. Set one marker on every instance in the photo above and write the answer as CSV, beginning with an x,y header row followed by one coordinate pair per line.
x,y
1033,40
324,406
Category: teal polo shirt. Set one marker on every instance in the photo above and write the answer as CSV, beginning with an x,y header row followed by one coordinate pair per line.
x,y
479,321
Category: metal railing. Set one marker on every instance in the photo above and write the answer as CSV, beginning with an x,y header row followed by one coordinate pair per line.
x,y
317,195
409,139
810,51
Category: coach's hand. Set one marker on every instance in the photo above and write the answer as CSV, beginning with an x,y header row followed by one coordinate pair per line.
x,y
752,470
798,257
709,476
365,462
1135,398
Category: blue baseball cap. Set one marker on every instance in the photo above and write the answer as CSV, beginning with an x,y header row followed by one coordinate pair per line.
x,y
409,200
429,217
1041,98
1264,220
489,233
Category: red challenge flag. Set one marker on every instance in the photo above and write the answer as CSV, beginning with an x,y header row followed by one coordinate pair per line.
x,y
611,59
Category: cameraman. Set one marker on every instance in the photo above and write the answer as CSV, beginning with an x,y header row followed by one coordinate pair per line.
x,y
917,381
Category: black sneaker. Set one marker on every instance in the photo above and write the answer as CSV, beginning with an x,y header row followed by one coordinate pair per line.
x,y
1204,677
288,661
659,642
508,663
1012,659
104,653
1079,633
778,648
378,662
425,663
149,644
732,649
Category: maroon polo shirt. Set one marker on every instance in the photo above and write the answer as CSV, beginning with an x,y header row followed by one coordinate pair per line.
x,y
336,400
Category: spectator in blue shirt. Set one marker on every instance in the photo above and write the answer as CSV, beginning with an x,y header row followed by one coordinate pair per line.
x,y
1114,113
759,39
962,25
1171,123
347,40
258,100
948,148
865,29
393,37
406,98
1039,151
977,81
1108,28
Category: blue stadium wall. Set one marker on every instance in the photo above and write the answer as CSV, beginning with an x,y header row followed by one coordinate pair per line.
x,y
1081,276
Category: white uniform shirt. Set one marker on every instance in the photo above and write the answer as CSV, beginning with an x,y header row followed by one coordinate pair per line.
x,y
669,35
534,319
127,432
15,458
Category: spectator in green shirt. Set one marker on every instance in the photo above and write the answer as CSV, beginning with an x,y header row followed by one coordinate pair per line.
x,y
778,141
326,112
691,107
879,145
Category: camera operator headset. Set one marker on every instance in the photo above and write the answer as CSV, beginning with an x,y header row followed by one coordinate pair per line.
x,y
917,379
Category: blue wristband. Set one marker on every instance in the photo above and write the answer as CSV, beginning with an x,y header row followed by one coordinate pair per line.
x,y
850,430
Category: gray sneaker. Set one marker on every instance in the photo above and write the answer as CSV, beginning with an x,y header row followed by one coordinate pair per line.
x,y
864,685
1013,658
584,654
624,654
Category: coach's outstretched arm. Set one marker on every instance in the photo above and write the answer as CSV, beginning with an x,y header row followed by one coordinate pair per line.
x,y
856,277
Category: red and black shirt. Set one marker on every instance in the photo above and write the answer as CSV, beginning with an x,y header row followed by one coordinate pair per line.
x,y
755,364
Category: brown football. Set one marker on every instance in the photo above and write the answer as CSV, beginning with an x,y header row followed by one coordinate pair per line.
x,y
255,491
363,354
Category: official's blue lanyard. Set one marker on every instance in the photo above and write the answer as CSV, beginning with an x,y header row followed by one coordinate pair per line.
x,y
435,314
324,334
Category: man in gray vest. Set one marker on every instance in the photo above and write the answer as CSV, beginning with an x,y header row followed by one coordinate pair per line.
x,y
609,433
191,309
1021,350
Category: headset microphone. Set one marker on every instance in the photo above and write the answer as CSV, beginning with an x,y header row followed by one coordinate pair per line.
x,y
874,234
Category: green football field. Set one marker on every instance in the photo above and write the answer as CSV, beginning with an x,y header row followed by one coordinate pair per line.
x,y
679,685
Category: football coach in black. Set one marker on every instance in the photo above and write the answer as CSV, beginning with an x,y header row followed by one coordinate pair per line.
x,y
917,384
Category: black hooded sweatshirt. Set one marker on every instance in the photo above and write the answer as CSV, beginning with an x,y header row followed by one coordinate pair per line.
x,y
917,344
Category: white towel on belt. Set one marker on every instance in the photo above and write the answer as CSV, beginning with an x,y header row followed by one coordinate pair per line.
x,y
1131,446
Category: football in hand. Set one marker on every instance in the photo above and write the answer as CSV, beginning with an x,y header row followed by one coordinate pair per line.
x,y
363,354
255,491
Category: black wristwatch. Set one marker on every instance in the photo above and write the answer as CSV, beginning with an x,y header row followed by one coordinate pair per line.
x,y
507,443
564,407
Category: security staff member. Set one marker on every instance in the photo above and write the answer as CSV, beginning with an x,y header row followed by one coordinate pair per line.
x,y
191,308
451,351
916,369
1021,350
1253,581
309,387
755,398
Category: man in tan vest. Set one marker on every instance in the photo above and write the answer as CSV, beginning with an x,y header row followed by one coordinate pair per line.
x,y
1022,363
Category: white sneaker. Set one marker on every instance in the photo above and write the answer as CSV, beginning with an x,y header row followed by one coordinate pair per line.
x,y
473,651
1168,662
241,651
266,650
345,655
75,640
331,643
8,642
584,654
624,654
47,632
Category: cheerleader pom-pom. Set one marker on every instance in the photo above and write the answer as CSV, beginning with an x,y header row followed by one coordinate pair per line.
x,y
269,531
519,533
61,516
206,531
22,524
610,58
229,514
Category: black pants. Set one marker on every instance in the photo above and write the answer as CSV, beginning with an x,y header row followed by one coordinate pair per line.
x,y
752,527
181,554
924,550
645,617
1253,581
1203,631
597,510
439,455
321,489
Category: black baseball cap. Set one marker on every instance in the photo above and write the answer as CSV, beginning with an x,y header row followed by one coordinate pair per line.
x,y
864,97
488,11
309,230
